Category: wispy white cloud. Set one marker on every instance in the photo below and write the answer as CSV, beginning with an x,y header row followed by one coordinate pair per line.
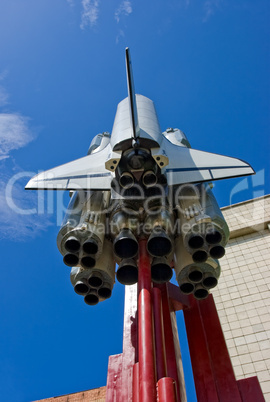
x,y
3,92
18,210
90,13
3,75
124,9
210,7
14,133
3,96
18,218
120,35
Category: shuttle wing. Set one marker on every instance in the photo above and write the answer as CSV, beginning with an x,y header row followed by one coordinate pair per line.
x,y
188,165
82,174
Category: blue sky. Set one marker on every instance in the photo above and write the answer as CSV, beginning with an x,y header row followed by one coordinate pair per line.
x,y
204,63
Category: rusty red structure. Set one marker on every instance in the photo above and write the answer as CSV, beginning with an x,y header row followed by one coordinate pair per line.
x,y
149,369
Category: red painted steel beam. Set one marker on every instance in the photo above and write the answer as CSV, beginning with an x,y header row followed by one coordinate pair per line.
x,y
166,390
114,383
172,369
178,299
220,360
145,328
159,334
129,342
250,390
199,354
136,383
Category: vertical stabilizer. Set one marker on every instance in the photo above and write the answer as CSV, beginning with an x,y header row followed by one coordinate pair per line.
x,y
132,98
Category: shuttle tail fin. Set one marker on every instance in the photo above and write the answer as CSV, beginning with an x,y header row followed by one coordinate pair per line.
x,y
132,98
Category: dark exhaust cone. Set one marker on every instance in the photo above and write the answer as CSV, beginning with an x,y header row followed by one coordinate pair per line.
x,y
95,280
209,281
149,179
213,237
88,262
126,180
90,246
125,244
196,241
195,275
127,273
105,291
71,260
72,244
81,288
200,256
161,271
159,244
186,288
91,298
200,293
217,252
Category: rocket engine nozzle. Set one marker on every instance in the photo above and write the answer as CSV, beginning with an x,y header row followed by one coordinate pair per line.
x,y
213,237
127,273
194,277
149,178
95,280
87,261
71,260
90,246
159,243
200,292
80,239
195,241
126,180
200,255
72,244
187,288
209,281
91,298
125,244
217,251
161,271
105,291
81,288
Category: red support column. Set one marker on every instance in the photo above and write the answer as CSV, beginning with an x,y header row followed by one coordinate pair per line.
x,y
223,373
159,334
166,390
199,353
114,380
172,369
250,390
129,342
135,383
145,328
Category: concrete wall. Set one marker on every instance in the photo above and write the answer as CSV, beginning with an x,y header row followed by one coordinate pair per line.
x,y
242,296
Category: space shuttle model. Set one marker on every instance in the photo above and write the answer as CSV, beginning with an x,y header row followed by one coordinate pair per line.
x,y
140,182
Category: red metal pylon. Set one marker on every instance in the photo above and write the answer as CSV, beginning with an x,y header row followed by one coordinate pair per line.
x,y
148,370
139,374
